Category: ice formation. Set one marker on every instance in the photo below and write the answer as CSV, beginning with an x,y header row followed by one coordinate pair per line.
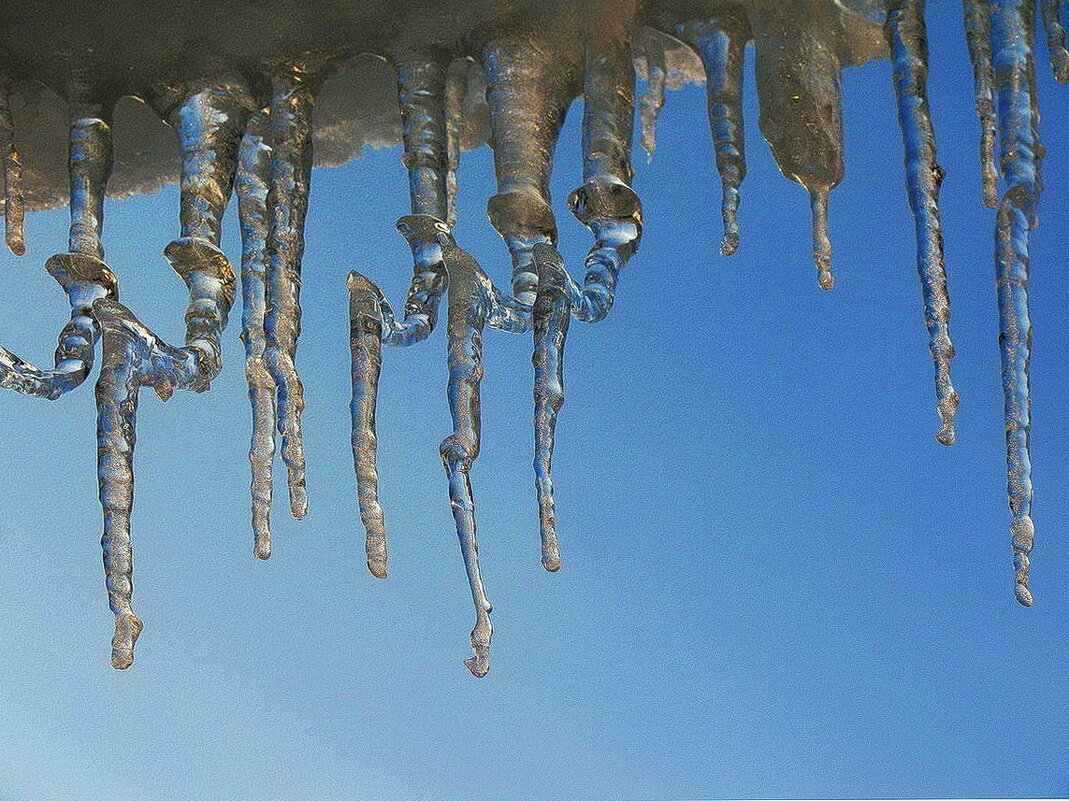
x,y
241,93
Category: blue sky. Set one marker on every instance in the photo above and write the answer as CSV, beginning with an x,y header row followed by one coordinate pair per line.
x,y
775,582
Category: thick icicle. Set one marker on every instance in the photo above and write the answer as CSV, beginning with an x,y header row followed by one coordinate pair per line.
x,y
469,299
1012,25
1059,56
287,204
210,123
798,86
82,272
978,39
365,344
250,185
652,100
14,205
421,95
909,58
721,43
529,86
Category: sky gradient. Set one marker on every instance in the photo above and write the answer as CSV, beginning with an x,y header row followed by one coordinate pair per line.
x,y
775,582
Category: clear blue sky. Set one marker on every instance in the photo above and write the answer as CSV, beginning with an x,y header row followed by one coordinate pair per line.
x,y
776,583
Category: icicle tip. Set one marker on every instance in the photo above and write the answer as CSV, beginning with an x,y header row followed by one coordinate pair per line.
x,y
128,628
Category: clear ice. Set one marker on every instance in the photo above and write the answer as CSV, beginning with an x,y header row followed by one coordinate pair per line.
x,y
245,126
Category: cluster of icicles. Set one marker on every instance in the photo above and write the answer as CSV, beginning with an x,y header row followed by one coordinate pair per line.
x,y
253,135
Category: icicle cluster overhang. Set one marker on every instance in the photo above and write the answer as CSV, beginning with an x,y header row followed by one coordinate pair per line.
x,y
239,90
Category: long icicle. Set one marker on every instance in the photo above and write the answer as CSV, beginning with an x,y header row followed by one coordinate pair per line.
x,y
1059,56
287,205
210,122
81,273
909,58
1012,24
721,43
14,204
468,301
250,184
978,39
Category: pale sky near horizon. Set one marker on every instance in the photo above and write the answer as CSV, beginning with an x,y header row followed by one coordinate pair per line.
x,y
775,583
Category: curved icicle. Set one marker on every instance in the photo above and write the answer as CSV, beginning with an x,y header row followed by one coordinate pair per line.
x,y
799,89
14,204
469,298
365,344
82,272
549,320
1012,25
287,205
529,86
652,100
721,43
978,39
1059,56
251,188
909,58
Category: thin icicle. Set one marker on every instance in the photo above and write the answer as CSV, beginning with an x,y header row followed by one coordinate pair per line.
x,y
1059,56
721,43
549,319
530,85
1012,23
251,188
455,85
978,39
468,301
909,58
287,205
14,204
652,100
365,344
818,204
82,272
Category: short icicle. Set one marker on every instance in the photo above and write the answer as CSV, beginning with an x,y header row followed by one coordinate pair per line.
x,y
14,204
978,39
1012,23
1052,23
250,186
294,91
721,43
81,273
210,120
909,58
652,100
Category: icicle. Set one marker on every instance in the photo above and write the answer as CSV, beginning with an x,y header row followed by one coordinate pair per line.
x,y
1059,56
721,43
549,318
468,300
529,89
365,343
421,83
798,86
1012,23
287,205
82,272
652,100
978,38
251,188
14,205
454,108
909,57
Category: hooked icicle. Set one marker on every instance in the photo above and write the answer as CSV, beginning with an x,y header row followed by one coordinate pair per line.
x,y
470,295
250,184
294,91
82,272
1012,24
210,121
529,86
652,100
721,43
1059,56
909,58
978,39
14,204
